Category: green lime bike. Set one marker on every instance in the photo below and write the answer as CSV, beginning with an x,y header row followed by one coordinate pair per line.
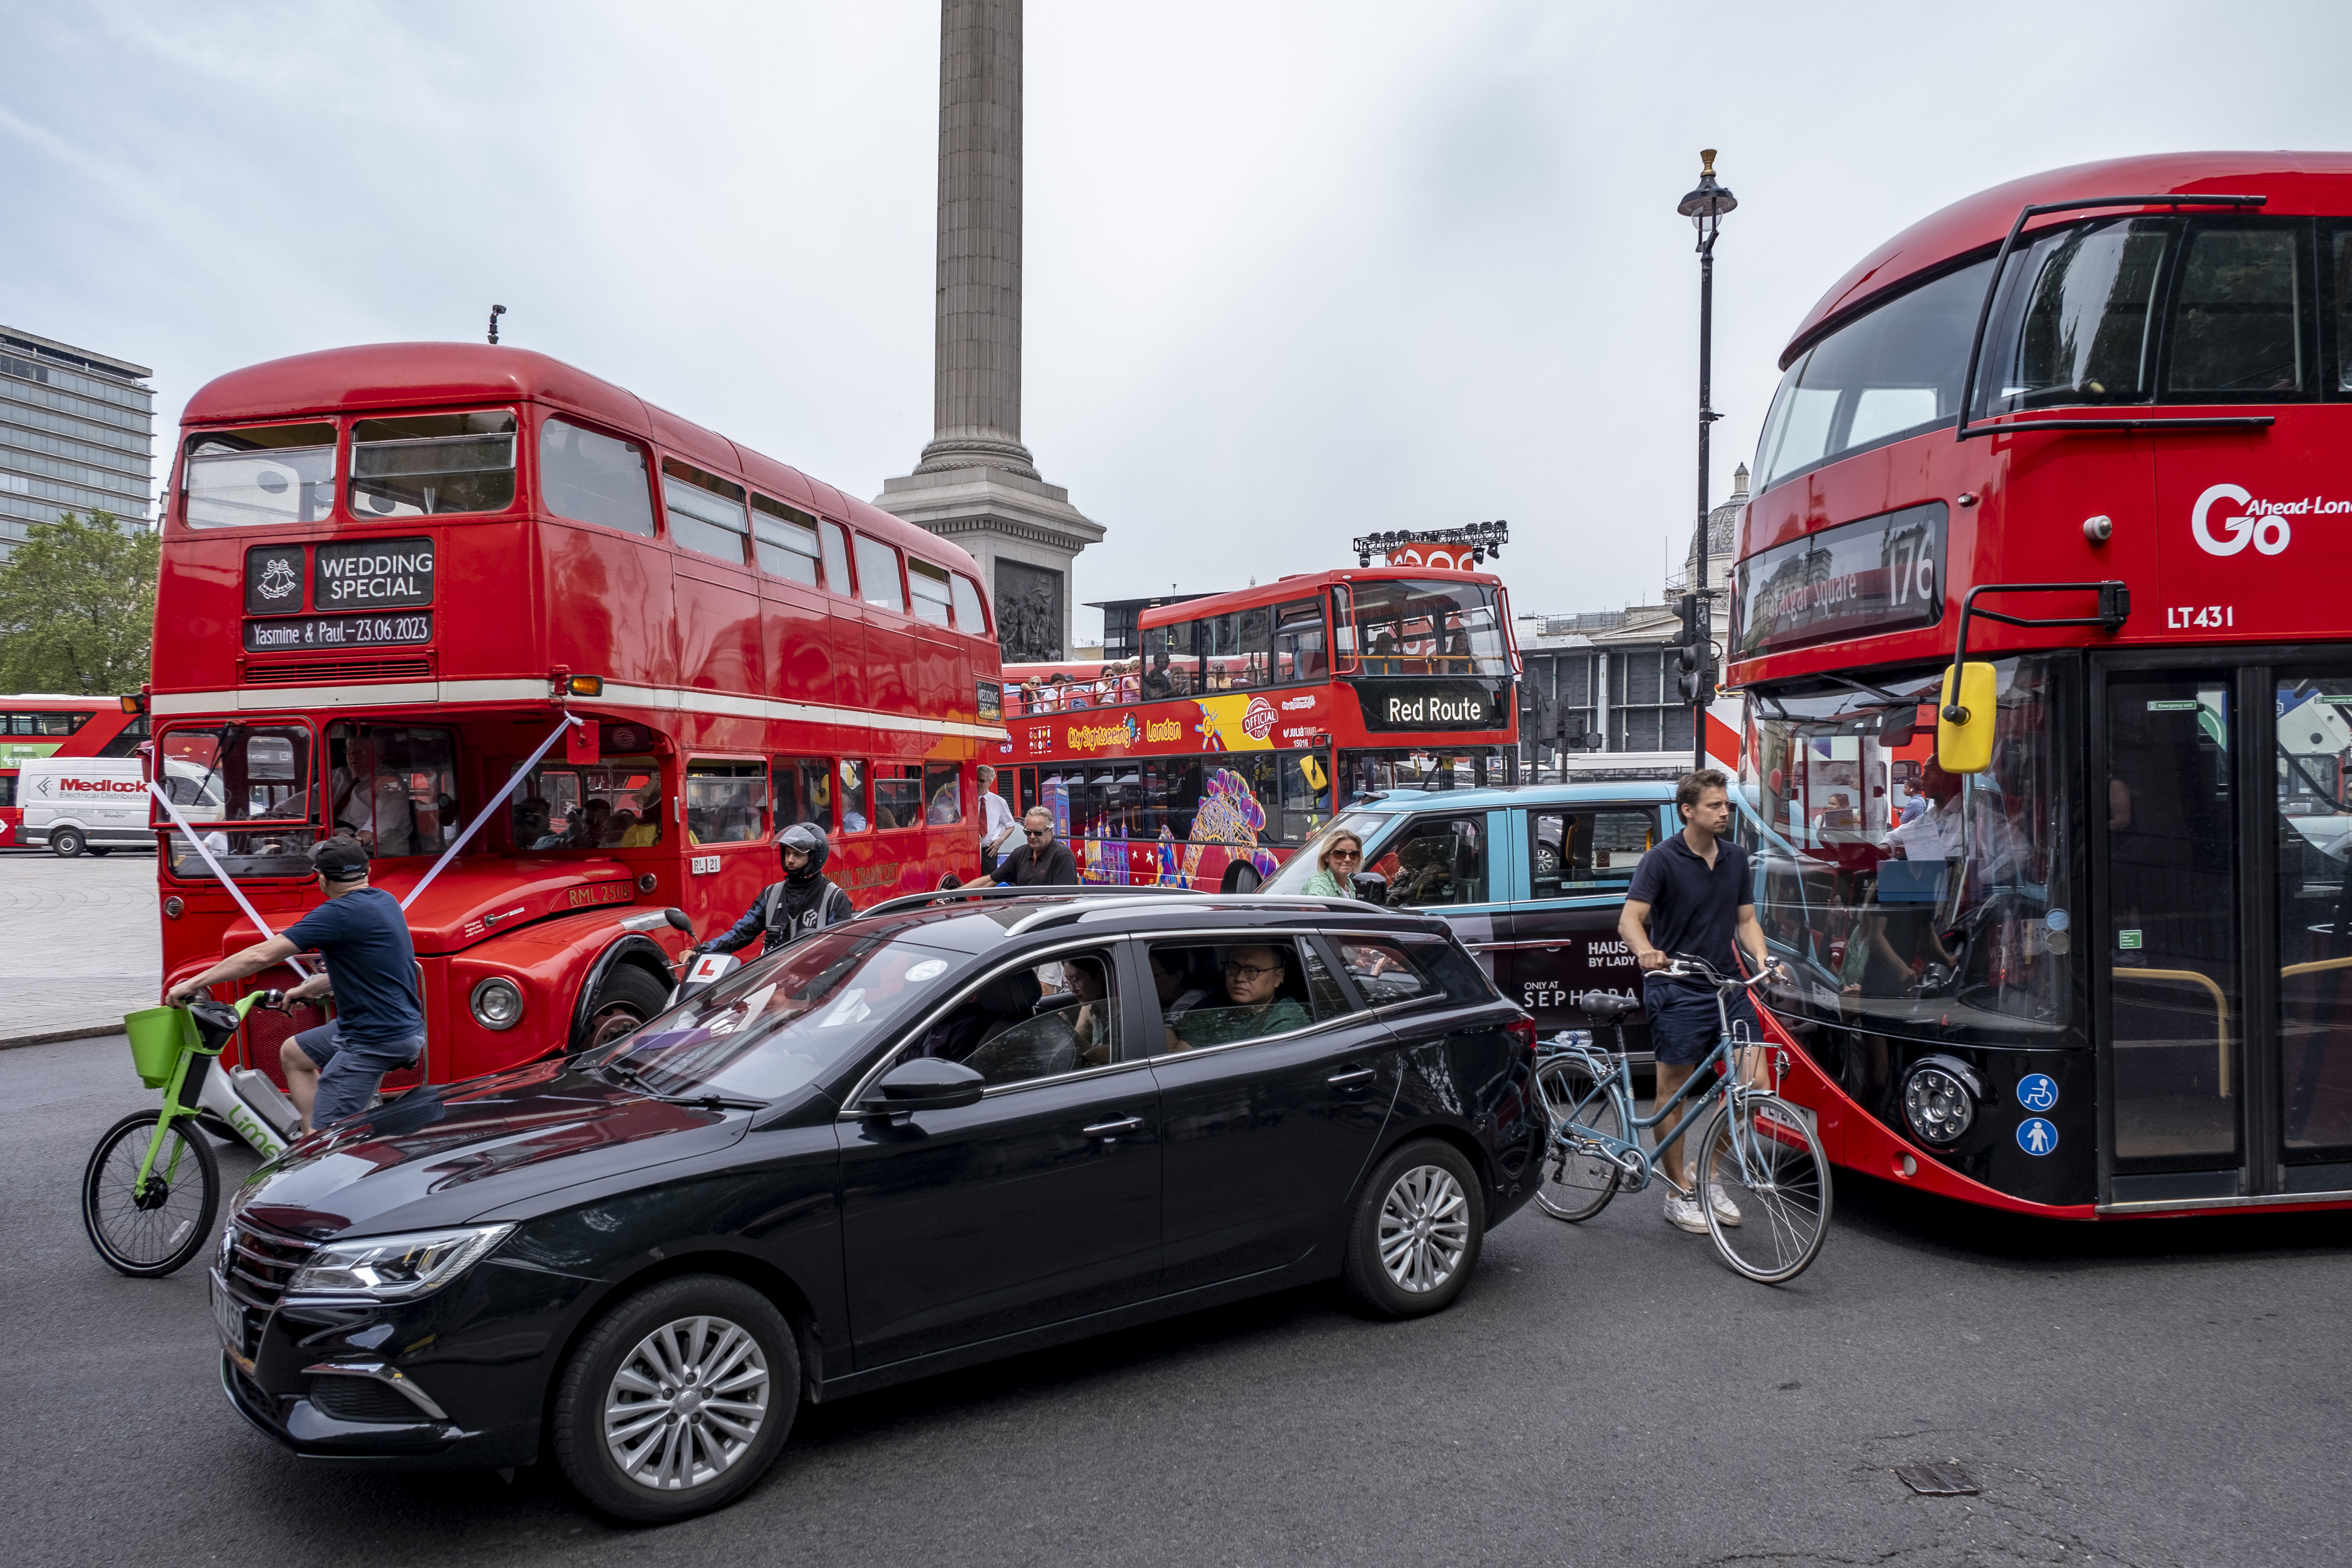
x,y
152,1185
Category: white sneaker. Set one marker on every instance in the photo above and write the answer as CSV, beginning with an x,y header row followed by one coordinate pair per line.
x,y
1720,1202
1684,1213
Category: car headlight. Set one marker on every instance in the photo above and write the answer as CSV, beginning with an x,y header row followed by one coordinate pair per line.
x,y
497,1003
1939,1100
394,1268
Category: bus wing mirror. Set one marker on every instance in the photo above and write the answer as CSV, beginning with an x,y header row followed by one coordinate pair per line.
x,y
1963,723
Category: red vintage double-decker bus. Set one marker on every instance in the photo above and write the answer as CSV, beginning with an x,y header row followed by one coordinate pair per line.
x,y
390,575
1249,717
34,724
2072,936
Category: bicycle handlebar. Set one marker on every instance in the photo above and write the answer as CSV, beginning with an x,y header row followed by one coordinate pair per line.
x,y
1683,966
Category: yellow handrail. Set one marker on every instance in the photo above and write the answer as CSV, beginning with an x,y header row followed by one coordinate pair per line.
x,y
2220,1010
2314,967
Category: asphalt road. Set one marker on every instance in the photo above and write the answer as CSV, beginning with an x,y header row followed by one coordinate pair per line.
x,y
2167,1392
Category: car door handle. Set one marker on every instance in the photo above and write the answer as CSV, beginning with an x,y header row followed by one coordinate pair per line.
x,y
1353,1075
1108,1131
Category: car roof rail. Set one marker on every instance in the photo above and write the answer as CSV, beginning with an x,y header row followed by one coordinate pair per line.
x,y
1071,910
999,893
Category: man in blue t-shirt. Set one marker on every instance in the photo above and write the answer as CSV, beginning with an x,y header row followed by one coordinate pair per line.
x,y
1690,895
333,1071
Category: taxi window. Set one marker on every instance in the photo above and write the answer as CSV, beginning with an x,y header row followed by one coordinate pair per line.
x,y
1437,860
1577,854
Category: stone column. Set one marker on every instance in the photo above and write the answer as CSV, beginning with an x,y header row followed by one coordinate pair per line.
x,y
976,391
976,483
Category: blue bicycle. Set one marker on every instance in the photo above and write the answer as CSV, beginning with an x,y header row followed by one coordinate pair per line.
x,y
1762,1180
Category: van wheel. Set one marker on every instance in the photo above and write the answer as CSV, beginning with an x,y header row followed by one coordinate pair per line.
x,y
628,997
101,849
68,842
678,1400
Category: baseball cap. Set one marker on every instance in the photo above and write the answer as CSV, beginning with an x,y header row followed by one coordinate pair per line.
x,y
340,860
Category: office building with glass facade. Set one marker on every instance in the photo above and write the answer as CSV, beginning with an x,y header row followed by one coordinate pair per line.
x,y
77,434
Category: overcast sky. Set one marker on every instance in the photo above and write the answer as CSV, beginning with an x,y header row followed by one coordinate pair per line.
x,y
1295,270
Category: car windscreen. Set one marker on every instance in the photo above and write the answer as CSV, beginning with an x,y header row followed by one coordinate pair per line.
x,y
778,1024
1300,869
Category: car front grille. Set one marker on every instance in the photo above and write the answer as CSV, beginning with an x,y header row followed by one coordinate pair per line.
x,y
261,1261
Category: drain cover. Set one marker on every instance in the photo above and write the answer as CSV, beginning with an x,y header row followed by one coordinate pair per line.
x,y
1937,1481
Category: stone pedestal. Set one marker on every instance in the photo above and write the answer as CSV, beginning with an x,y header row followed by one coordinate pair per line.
x,y
976,483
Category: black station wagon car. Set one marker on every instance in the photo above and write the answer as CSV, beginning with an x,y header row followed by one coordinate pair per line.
x,y
927,1137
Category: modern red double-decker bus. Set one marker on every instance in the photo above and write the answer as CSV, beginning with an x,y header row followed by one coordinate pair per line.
x,y
2074,936
389,576
44,724
1203,761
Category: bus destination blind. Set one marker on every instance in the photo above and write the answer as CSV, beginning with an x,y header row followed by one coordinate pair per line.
x,y
1880,574
307,632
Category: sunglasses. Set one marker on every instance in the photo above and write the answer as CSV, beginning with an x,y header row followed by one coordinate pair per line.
x,y
1036,832
1346,855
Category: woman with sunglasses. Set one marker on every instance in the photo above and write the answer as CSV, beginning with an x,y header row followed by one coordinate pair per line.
x,y
1336,868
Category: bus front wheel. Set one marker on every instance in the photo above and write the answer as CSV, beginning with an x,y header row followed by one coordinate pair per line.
x,y
627,998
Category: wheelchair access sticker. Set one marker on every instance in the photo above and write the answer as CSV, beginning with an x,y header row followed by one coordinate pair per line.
x,y
2036,1136
2037,1092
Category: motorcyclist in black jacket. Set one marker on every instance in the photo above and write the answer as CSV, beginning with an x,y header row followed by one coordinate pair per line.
x,y
803,902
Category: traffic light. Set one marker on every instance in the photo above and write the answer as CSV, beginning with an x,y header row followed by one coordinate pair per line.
x,y
1696,680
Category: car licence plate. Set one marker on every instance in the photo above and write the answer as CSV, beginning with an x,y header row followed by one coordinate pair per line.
x,y
228,1313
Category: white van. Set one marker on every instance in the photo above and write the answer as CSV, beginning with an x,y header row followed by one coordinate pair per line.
x,y
73,804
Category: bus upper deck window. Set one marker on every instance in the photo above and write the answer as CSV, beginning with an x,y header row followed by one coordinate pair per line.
x,y
2237,325
969,618
877,576
930,585
433,463
259,475
594,478
1298,641
706,512
2075,319
836,557
785,539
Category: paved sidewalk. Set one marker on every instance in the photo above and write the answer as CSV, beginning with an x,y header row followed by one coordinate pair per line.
x,y
79,943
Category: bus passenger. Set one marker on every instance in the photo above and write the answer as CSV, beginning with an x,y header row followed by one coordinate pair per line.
x,y
1158,681
645,831
803,902
595,817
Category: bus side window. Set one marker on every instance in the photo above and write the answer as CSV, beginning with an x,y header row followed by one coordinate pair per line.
x,y
877,576
836,558
594,477
969,618
942,793
804,791
853,796
898,794
1298,642
723,801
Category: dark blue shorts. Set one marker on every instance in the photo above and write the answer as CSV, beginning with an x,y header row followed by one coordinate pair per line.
x,y
348,1075
1685,1024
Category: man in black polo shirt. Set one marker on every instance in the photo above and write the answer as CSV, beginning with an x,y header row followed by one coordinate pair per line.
x,y
1042,861
1690,895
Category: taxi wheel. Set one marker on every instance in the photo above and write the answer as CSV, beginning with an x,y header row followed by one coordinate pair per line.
x,y
678,1399
628,997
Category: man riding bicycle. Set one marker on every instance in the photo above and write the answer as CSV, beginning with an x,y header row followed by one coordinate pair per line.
x,y
1691,895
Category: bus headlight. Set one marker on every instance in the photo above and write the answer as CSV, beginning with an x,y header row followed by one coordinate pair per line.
x,y
497,1003
1939,1100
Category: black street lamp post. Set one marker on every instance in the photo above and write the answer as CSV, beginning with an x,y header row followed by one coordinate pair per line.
x,y
1705,207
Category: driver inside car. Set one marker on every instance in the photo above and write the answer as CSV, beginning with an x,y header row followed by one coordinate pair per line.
x,y
1255,1005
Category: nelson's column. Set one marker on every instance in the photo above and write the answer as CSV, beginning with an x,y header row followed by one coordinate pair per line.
x,y
976,483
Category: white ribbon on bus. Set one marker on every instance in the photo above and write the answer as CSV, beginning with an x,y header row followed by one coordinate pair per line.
x,y
204,850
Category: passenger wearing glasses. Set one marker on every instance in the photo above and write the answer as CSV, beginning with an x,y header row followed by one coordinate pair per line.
x,y
1043,861
1254,1004
1336,869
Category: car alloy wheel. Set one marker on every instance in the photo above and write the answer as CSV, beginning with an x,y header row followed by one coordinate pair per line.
x,y
686,1404
1424,1228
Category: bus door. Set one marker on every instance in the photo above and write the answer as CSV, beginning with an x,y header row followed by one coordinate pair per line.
x,y
2224,981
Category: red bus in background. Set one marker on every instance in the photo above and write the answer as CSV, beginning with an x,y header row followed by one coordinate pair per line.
x,y
390,572
1251,716
2090,426
44,724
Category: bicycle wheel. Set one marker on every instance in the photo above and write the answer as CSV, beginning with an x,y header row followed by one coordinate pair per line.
x,y
1770,1167
1576,1185
148,1233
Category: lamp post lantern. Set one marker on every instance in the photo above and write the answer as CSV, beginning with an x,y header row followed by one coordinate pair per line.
x,y
1706,207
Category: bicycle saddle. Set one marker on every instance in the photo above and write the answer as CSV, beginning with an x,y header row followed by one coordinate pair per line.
x,y
1601,1006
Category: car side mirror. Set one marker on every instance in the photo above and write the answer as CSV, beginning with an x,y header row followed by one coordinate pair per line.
x,y
1372,887
925,1083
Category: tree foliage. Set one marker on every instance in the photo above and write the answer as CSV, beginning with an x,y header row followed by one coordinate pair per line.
x,y
78,607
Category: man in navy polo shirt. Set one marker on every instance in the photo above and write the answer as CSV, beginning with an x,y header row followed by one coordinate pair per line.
x,y
1690,896
333,1071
